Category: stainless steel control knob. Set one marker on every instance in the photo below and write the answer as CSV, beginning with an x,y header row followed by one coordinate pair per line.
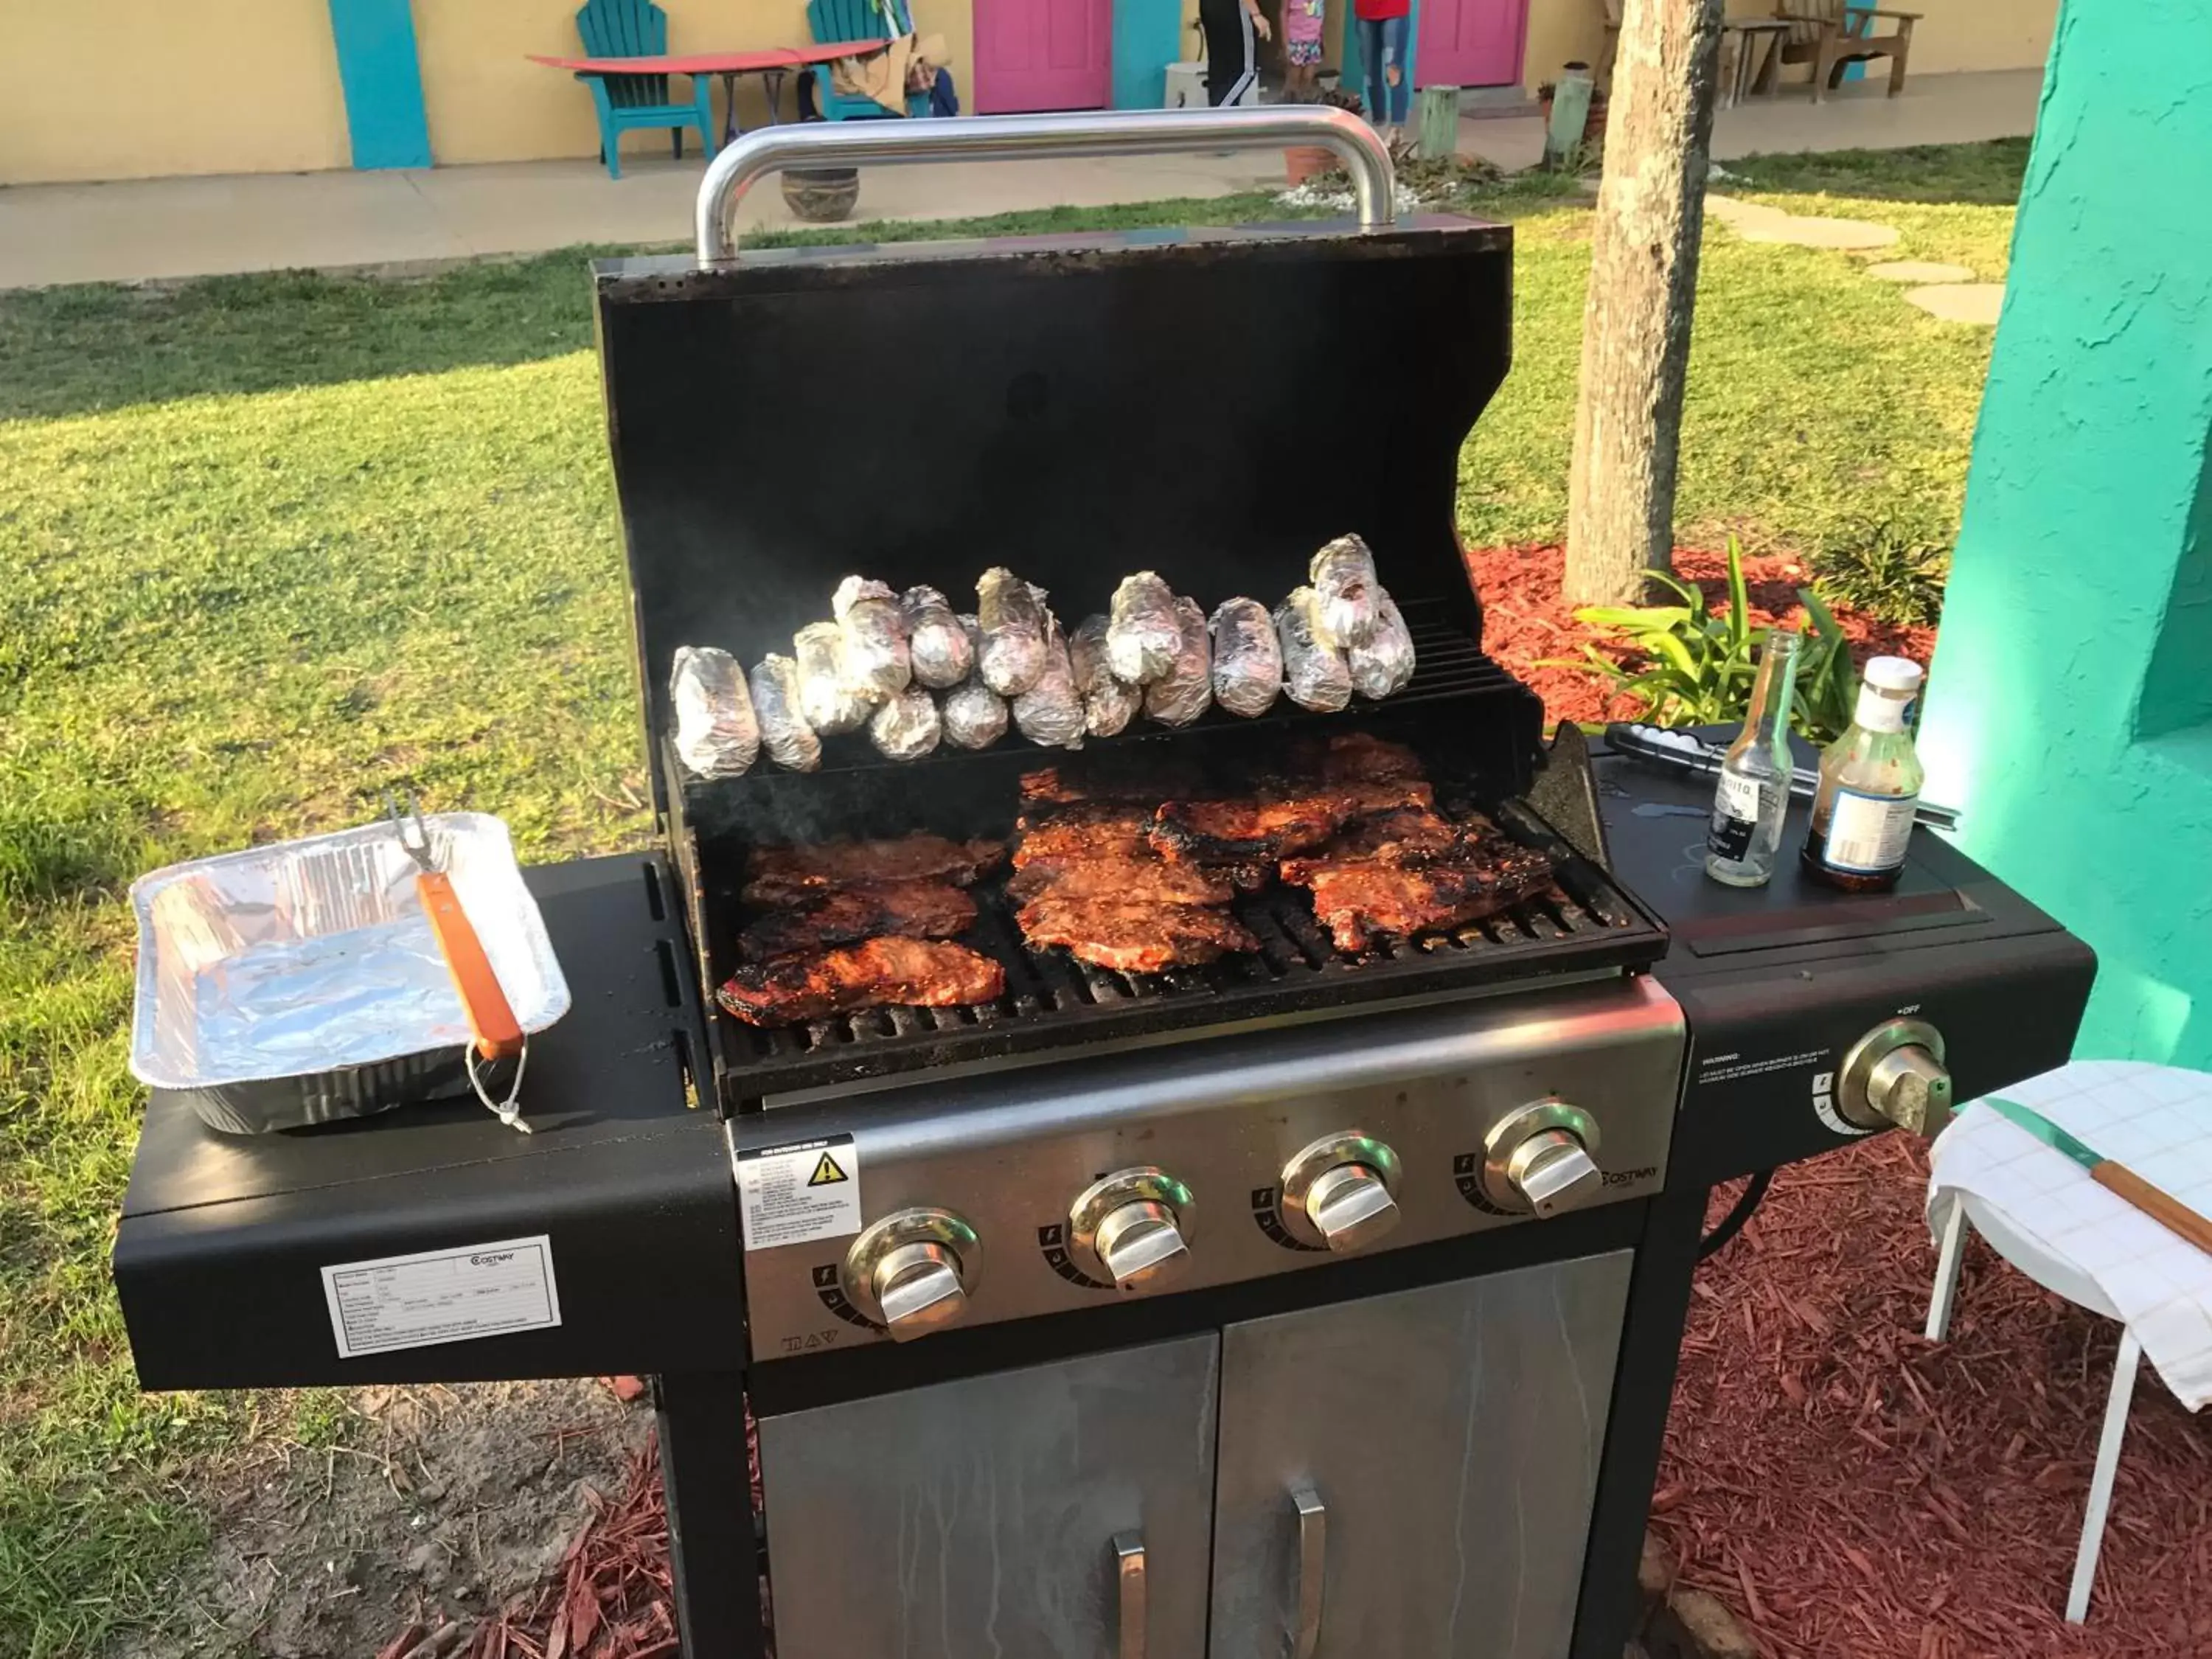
x,y
913,1271
1895,1074
1350,1206
918,1286
1542,1157
1341,1192
1554,1171
1132,1229
1140,1242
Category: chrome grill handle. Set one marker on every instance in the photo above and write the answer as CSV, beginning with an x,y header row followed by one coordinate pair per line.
x,y
1313,1565
1129,1571
764,150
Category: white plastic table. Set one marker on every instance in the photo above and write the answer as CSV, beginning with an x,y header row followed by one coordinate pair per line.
x,y
2041,1211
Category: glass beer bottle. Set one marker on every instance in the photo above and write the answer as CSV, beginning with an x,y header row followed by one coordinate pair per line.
x,y
1752,796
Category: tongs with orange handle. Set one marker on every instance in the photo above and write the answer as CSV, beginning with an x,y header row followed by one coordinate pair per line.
x,y
496,1034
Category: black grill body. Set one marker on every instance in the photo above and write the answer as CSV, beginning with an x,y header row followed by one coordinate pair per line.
x,y
1074,408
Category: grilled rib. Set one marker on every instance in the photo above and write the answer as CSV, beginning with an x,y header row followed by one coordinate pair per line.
x,y
1133,937
912,973
1089,830
1108,776
1144,880
1362,758
778,875
1411,873
904,909
1276,821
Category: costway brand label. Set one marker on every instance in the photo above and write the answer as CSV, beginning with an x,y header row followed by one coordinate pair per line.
x,y
796,1193
442,1296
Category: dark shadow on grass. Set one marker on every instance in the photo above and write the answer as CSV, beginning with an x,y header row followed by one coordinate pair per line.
x,y
100,346
1986,174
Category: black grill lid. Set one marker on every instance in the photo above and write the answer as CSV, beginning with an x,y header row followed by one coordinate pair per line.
x,y
1212,404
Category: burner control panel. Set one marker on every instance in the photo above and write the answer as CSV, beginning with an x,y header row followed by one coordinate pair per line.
x,y
1001,1195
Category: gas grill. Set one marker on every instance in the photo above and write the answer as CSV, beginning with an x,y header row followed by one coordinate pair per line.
x,y
1303,1303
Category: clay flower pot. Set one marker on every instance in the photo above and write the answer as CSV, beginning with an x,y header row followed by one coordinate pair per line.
x,y
1304,161
822,195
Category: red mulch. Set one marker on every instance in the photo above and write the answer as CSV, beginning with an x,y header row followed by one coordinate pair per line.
x,y
1524,621
611,1598
1850,1489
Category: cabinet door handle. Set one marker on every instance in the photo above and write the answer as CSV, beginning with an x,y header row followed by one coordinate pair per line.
x,y
1313,1561
1129,1571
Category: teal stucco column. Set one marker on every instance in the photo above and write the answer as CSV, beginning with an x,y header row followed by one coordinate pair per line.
x,y
2070,708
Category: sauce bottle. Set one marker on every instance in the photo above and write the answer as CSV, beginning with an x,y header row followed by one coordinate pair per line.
x,y
1870,789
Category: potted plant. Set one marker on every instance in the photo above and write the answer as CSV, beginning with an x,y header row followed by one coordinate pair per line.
x,y
821,196
1304,161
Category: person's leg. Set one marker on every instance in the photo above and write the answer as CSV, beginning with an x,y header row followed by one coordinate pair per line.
x,y
1395,31
1370,66
1228,49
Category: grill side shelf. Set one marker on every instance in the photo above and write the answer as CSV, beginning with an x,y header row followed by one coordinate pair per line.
x,y
1585,923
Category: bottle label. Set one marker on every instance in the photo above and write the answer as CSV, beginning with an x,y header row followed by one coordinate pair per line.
x,y
1877,711
1735,817
1867,834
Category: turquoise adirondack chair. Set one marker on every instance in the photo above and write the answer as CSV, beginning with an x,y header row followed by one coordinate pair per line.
x,y
833,21
638,29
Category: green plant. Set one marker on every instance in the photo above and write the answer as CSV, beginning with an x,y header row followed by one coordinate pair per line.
x,y
1878,571
1689,666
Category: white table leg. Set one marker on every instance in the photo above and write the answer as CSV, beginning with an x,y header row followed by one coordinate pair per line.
x,y
1948,1257
2100,1483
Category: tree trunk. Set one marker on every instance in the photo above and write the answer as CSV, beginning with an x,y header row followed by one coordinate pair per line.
x,y
1643,284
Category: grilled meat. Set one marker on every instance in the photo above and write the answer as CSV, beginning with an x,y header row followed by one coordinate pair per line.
x,y
842,915
780,875
1144,880
1362,758
1412,872
1111,774
906,972
1276,821
1087,830
1133,937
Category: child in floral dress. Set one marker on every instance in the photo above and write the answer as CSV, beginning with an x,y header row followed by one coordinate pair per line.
x,y
1301,47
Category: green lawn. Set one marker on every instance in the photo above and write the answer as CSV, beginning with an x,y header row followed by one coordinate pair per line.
x,y
270,546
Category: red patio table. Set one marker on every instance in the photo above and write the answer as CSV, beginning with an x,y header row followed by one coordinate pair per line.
x,y
770,62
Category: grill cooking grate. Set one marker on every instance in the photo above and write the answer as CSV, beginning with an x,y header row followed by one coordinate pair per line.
x,y
1583,922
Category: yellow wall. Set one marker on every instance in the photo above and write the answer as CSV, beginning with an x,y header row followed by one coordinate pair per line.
x,y
1951,35
139,88
1561,32
486,102
1979,34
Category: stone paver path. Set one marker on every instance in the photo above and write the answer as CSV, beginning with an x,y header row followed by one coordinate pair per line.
x,y
1756,223
1960,303
1947,292
1918,270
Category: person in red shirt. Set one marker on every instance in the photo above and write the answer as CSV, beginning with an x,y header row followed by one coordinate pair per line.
x,y
1383,26
1231,62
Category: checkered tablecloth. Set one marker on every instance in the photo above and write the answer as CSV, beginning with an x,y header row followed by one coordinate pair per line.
x,y
2071,1233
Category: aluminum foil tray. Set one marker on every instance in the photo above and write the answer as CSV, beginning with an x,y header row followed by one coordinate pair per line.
x,y
300,983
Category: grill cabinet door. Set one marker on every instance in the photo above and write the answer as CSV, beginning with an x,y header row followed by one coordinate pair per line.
x,y
1445,1442
980,1517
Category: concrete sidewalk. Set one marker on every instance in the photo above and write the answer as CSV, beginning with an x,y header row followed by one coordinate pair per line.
x,y
171,227
1932,109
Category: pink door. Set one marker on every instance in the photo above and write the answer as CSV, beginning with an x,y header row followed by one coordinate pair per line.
x,y
1470,43
1043,54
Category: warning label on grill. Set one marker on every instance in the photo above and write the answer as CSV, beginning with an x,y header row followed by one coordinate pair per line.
x,y
797,1194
